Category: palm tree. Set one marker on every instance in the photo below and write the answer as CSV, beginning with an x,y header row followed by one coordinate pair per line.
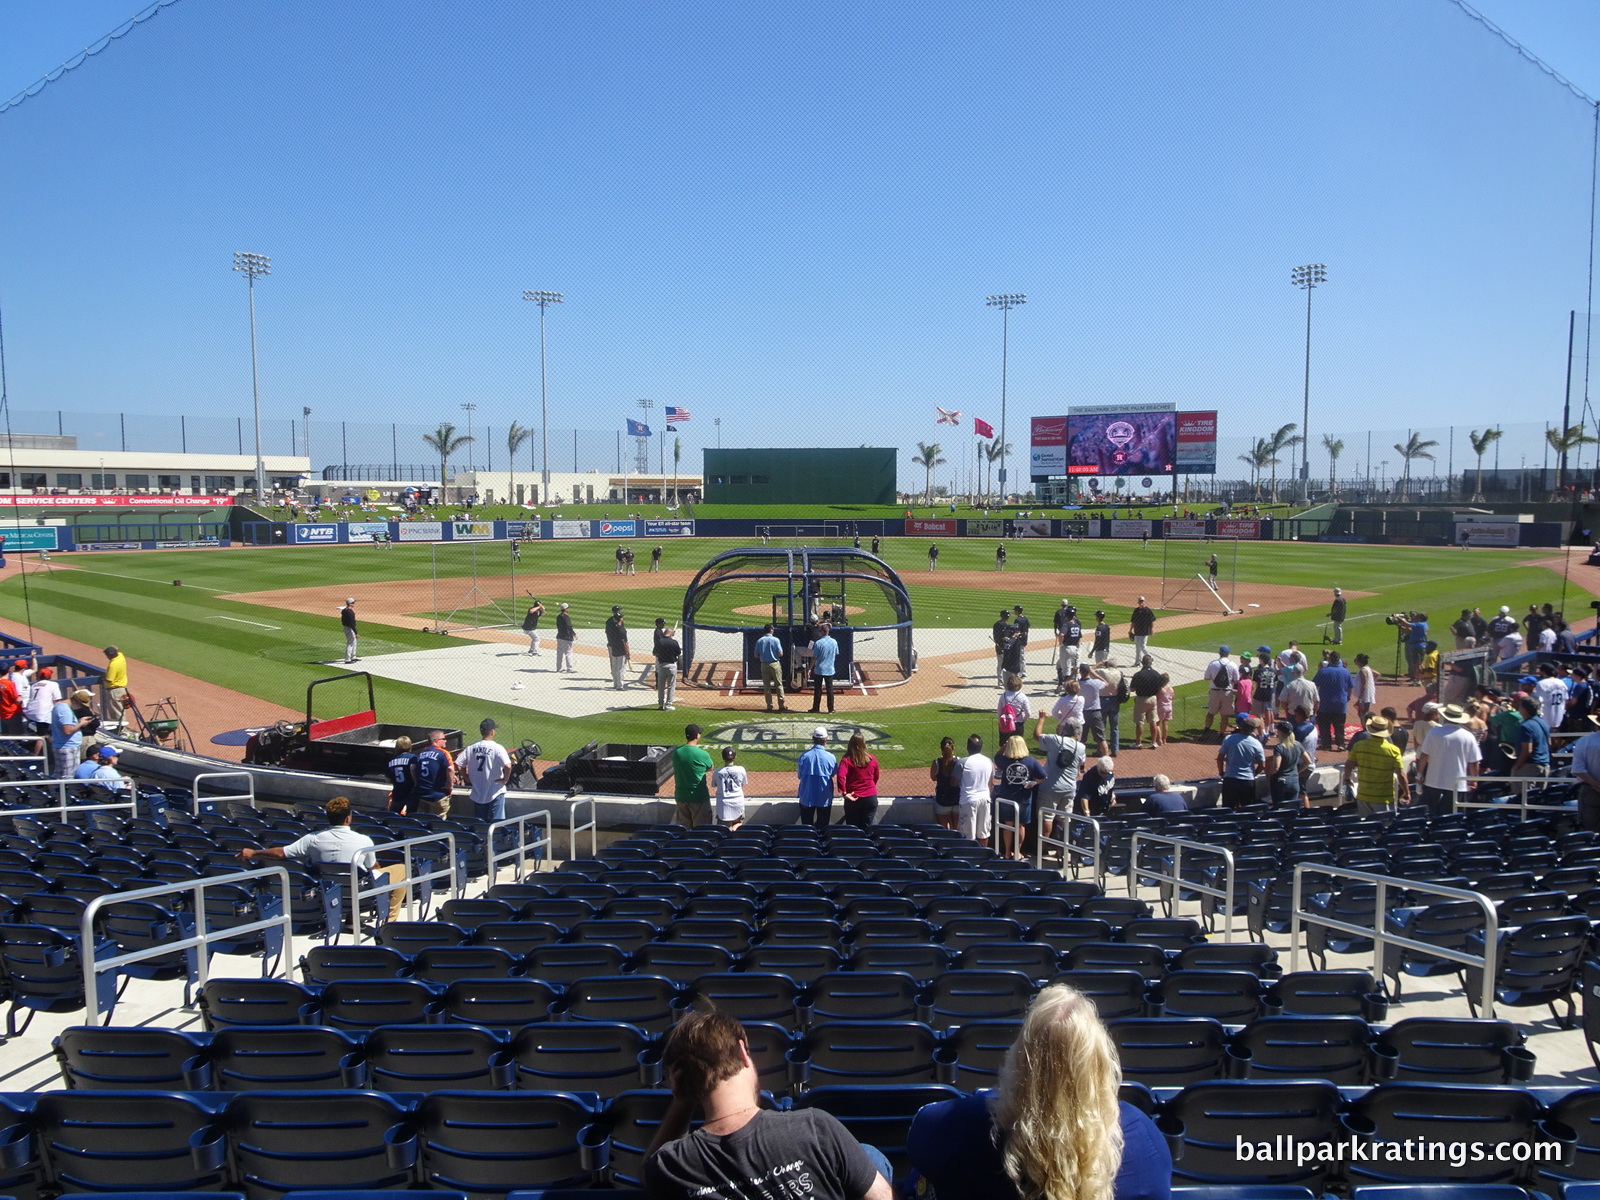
x,y
1335,447
1257,459
1564,442
1480,446
515,437
994,452
927,457
1414,448
445,441
1278,443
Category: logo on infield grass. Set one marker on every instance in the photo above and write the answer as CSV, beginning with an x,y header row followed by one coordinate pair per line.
x,y
790,737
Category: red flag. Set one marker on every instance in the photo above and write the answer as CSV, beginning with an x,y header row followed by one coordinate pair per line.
x,y
982,428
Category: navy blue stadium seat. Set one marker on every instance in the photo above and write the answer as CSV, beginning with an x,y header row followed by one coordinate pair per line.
x,y
228,1002
289,1141
427,1058
491,1144
585,1056
1213,1116
124,1059
114,1141
878,1116
285,1058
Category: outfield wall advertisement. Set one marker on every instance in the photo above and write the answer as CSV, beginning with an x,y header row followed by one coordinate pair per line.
x,y
569,529
671,528
917,527
31,537
364,531
472,531
316,535
421,531
1185,529
1238,527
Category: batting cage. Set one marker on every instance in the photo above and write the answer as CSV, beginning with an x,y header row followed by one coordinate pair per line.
x,y
795,588
1199,575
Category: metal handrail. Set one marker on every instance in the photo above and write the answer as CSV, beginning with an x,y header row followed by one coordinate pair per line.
x,y
518,853
1047,820
1382,937
1015,824
1521,804
1225,893
66,806
248,796
592,825
201,938
446,872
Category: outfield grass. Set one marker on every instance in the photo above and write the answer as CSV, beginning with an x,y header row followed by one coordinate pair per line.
x,y
129,599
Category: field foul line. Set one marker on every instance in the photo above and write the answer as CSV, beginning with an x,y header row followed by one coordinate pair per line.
x,y
242,621
139,578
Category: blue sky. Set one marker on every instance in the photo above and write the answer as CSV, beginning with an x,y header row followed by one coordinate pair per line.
x,y
789,218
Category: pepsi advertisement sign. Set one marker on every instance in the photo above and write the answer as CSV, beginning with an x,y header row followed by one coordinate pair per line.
x,y
615,528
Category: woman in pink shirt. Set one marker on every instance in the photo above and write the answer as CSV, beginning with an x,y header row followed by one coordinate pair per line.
x,y
857,780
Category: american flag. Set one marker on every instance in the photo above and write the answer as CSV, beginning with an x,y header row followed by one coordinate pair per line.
x,y
677,416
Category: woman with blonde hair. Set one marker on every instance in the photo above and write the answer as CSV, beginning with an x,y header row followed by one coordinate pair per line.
x,y
1054,1128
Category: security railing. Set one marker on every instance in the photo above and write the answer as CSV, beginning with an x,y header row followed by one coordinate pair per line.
x,y
1382,937
1138,873
446,871
592,825
65,806
518,853
248,796
201,938
1520,804
1064,843
999,823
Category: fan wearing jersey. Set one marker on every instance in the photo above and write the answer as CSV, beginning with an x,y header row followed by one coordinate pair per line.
x,y
487,767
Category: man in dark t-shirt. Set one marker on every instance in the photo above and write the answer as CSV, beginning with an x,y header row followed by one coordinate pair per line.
x,y
740,1148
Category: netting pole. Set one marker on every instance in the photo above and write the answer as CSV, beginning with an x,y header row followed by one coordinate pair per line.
x,y
435,555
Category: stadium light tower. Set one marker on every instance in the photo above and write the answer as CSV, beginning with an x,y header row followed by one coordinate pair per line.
x,y
544,300
1005,304
1307,277
253,266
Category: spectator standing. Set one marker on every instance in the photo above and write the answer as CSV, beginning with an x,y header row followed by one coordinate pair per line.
x,y
1063,756
70,720
1164,700
43,695
1097,789
1141,624
824,659
1113,695
1376,763
1480,628
1586,770
857,782
1221,675
1336,612
1091,687
1551,694
1145,686
691,766
11,721
1240,759
667,652
816,769
1018,775
435,775
1366,680
402,773
945,775
1566,640
730,779
1335,689
486,766
617,645
976,799
1245,689
1071,644
1296,692
1446,758
1012,710
769,653
1533,742
1284,782
1263,685
565,636
1292,656
114,687
347,619
1579,701
1067,712
707,1063
1461,629
1509,646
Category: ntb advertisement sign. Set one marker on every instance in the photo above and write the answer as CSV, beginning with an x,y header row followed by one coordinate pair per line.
x,y
315,535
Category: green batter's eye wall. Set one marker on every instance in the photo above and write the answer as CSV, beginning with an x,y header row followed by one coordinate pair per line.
x,y
826,476
740,591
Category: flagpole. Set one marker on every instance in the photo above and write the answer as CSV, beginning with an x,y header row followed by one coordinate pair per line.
x,y
625,507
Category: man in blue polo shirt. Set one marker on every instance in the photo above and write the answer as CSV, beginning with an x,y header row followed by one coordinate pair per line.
x,y
769,652
816,769
1239,760
1533,741
824,653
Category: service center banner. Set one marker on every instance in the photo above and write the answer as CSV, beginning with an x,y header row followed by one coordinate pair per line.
x,y
14,501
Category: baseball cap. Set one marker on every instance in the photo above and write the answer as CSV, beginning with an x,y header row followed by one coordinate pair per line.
x,y
1337,592
616,610
1528,681
1223,650
1241,718
1067,602
1263,649
1246,654
564,604
20,665
46,673
1099,612
488,723
819,734
349,599
1505,610
109,752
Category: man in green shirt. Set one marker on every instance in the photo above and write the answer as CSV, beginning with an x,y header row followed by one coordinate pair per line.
x,y
690,767
1376,761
